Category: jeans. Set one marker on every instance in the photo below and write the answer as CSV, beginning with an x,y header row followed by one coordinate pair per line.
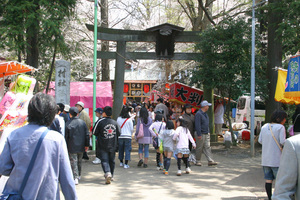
x,y
270,172
124,146
107,161
146,149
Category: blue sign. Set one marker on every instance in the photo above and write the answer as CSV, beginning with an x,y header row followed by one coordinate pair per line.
x,y
292,85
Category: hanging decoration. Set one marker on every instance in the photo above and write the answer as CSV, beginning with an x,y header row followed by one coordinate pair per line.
x,y
146,88
126,88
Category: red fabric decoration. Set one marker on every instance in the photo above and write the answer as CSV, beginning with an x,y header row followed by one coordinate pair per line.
x,y
146,88
126,88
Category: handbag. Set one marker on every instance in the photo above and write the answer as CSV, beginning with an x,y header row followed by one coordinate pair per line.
x,y
161,148
275,138
141,131
291,129
18,195
155,141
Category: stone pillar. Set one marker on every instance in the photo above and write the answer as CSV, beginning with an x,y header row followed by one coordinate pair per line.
x,y
62,81
119,79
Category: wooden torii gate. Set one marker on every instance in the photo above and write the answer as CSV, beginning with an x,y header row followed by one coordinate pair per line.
x,y
165,36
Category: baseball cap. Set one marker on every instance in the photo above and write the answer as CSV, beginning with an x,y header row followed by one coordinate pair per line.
x,y
67,108
73,111
80,103
205,103
99,110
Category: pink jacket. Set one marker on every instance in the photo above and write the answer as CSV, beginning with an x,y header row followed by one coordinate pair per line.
x,y
184,136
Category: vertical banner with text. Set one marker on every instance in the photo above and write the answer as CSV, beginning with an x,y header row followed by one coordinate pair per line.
x,y
62,81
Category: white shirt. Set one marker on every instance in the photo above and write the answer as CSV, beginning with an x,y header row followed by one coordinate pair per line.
x,y
127,129
270,151
219,112
62,124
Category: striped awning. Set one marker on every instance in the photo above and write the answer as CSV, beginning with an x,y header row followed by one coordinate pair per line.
x,y
13,68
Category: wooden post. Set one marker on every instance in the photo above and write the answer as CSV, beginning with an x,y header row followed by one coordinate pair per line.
x,y
119,79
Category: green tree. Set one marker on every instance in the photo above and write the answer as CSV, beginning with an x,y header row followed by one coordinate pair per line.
x,y
225,61
281,24
33,28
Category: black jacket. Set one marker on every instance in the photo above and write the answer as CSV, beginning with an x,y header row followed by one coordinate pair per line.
x,y
77,135
190,119
107,133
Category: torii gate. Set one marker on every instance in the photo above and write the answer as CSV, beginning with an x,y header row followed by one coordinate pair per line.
x,y
165,36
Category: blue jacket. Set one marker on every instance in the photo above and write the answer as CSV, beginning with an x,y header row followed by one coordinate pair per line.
x,y
51,168
201,123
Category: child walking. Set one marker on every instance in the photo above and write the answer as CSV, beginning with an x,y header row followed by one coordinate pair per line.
x,y
157,128
167,138
184,135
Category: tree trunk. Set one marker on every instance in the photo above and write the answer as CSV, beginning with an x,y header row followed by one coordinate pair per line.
x,y
104,44
32,48
32,57
208,95
51,69
274,56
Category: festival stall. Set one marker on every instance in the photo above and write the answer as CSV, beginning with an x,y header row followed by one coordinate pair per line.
x,y
83,91
14,104
183,94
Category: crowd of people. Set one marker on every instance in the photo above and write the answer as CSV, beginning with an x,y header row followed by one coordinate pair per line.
x,y
62,148
69,137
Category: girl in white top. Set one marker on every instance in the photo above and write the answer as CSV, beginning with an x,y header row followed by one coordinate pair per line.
x,y
168,143
157,128
184,135
126,124
271,150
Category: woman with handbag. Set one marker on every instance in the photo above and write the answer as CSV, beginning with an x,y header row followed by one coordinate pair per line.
x,y
126,124
272,137
35,158
143,136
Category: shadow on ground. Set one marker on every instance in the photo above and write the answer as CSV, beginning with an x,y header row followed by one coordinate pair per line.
x,y
237,177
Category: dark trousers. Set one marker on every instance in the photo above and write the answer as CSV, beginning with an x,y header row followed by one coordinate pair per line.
x,y
107,161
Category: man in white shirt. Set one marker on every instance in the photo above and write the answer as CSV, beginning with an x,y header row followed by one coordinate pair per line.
x,y
219,120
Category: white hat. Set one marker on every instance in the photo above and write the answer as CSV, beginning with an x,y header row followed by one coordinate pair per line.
x,y
205,103
67,108
80,103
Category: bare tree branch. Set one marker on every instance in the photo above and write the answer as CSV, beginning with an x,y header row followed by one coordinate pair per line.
x,y
186,12
129,14
206,12
221,14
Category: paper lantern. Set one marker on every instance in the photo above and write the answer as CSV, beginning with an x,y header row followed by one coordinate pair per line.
x,y
146,88
126,88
